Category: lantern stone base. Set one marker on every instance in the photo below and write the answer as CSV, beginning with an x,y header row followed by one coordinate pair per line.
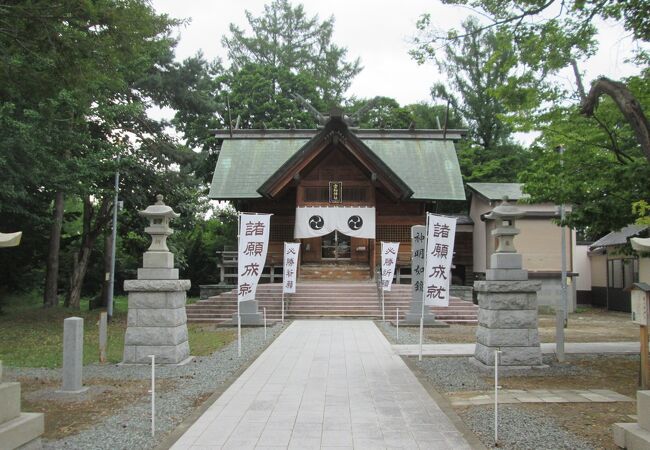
x,y
250,314
157,322
508,322
413,320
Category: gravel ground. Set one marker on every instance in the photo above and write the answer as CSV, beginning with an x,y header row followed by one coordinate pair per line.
x,y
541,432
407,335
453,374
130,428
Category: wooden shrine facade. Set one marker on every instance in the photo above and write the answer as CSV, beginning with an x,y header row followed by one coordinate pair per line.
x,y
397,175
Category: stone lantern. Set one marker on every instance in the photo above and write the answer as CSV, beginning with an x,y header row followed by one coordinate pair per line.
x,y
158,261
157,321
507,300
505,263
159,216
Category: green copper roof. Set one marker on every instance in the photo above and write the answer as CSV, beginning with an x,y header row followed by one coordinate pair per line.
x,y
429,167
244,164
496,191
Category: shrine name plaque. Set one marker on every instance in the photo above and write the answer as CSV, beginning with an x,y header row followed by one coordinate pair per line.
x,y
336,189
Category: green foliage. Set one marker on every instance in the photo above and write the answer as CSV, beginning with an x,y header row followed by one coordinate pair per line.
x,y
641,210
480,66
261,96
602,172
77,81
284,37
197,248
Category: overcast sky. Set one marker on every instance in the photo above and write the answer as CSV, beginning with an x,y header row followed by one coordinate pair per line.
x,y
377,31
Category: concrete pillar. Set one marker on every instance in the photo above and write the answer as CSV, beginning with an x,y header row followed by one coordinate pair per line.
x,y
73,348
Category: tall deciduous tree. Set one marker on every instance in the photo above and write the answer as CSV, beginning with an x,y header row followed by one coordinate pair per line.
x,y
549,35
285,37
478,65
602,171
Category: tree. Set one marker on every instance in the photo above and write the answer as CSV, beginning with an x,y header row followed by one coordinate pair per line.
x,y
384,112
549,35
75,93
478,65
258,104
602,172
284,37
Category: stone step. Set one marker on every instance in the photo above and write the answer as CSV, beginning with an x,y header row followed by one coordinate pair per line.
x,y
10,401
22,430
319,300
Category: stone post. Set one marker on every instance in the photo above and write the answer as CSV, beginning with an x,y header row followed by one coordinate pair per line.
x,y
73,350
157,322
507,301
412,317
103,336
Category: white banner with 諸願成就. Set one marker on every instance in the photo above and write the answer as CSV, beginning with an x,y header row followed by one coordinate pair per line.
x,y
388,261
440,236
315,221
253,246
291,251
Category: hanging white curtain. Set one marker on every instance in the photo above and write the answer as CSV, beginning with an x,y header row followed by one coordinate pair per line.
x,y
315,221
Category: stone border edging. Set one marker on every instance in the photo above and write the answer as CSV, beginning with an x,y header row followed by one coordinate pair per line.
x,y
445,406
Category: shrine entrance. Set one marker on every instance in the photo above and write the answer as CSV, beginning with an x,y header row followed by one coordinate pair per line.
x,y
336,247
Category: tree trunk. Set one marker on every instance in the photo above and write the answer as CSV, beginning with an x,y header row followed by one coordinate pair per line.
x,y
79,268
82,256
50,298
627,104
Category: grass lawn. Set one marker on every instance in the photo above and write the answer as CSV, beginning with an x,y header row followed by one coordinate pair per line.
x,y
31,336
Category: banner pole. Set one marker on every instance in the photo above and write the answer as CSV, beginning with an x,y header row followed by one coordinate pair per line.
x,y
265,323
238,313
153,394
283,303
383,314
496,397
397,324
426,238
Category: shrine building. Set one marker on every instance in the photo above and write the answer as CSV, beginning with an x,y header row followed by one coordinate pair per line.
x,y
340,190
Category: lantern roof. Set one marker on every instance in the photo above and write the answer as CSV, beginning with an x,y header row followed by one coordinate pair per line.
x,y
159,209
505,210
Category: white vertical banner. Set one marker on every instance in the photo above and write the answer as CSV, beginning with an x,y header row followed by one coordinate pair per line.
x,y
253,246
291,252
388,261
440,236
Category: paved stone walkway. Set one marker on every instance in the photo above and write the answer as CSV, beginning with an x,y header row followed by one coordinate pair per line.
x,y
325,384
539,396
576,348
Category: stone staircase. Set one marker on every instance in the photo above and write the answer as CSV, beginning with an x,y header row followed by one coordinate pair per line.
x,y
334,272
316,300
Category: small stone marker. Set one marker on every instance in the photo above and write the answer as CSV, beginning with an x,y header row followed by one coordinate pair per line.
x,y
73,347
103,336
